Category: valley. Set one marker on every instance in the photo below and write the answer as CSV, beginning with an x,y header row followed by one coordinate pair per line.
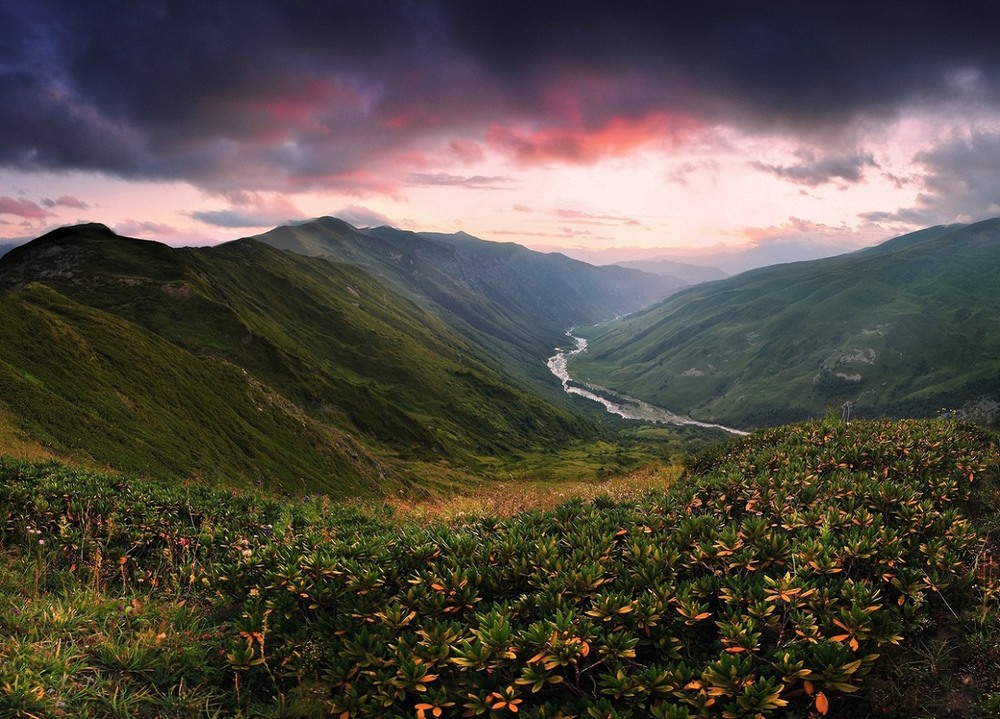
x,y
907,328
335,472
250,365
499,360
624,407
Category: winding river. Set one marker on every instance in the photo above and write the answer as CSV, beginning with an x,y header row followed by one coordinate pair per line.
x,y
626,407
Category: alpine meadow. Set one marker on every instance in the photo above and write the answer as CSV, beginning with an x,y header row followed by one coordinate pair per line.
x,y
440,360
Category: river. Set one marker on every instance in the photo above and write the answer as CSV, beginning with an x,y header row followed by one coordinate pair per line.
x,y
626,407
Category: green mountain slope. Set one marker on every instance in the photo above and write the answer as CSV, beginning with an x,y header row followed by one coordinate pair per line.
x,y
247,364
550,289
513,302
906,329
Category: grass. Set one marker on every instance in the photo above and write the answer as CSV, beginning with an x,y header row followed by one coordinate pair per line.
x,y
17,444
81,638
506,498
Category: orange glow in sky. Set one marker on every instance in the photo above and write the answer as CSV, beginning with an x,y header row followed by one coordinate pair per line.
x,y
586,126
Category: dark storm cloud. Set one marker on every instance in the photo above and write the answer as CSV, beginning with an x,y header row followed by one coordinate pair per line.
x,y
963,176
65,201
814,170
961,184
795,61
224,94
257,93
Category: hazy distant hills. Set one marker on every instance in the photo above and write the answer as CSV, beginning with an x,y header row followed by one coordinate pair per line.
x,y
552,289
513,301
244,363
682,272
905,328
727,260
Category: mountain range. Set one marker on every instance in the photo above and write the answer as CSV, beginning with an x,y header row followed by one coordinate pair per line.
x,y
515,303
909,327
321,357
684,273
690,263
253,364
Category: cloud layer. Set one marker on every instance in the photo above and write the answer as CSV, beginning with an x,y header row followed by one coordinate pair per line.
x,y
368,98
262,94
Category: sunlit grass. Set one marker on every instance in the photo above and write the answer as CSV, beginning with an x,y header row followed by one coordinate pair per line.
x,y
508,497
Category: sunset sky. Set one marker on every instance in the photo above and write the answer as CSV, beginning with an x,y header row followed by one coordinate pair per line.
x,y
558,125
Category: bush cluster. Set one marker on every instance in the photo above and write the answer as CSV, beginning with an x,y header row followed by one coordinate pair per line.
x,y
775,579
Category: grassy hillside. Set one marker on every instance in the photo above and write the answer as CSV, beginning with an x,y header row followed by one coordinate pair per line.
x,y
246,364
819,569
903,329
512,302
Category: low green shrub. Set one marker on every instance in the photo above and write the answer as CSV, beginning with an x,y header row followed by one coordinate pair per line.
x,y
791,573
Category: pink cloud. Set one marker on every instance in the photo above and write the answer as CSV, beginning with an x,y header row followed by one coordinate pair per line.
x,y
250,209
413,158
794,227
260,202
466,150
162,232
589,218
414,118
561,233
144,228
800,232
307,106
22,208
617,137
361,216
66,201
473,182
357,183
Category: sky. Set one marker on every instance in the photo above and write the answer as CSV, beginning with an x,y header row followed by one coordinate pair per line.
x,y
607,129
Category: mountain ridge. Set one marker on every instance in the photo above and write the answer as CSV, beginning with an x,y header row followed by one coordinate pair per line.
x,y
902,329
321,374
500,296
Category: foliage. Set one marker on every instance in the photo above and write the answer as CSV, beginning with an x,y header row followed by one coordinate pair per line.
x,y
792,573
